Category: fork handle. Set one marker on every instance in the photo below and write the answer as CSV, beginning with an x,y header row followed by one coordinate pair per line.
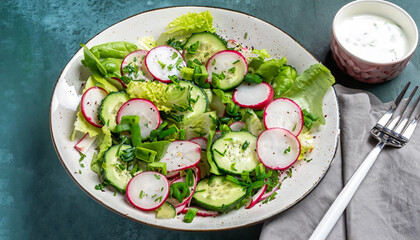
x,y
343,199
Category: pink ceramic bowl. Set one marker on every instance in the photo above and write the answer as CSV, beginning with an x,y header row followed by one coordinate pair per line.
x,y
370,71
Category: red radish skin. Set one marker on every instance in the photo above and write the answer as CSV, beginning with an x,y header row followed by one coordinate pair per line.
x,y
187,199
173,174
142,73
209,65
91,100
284,113
255,96
85,143
181,155
267,194
202,141
143,190
149,118
201,212
278,148
158,60
237,126
257,197
180,208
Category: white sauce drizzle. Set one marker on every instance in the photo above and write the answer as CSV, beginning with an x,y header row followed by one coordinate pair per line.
x,y
373,38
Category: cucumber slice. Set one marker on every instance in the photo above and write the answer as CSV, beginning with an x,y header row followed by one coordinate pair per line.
x,y
115,170
199,101
166,211
218,195
208,45
236,152
110,106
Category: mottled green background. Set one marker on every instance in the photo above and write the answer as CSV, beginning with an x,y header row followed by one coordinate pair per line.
x,y
38,200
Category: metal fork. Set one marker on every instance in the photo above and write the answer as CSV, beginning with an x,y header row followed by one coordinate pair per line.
x,y
395,129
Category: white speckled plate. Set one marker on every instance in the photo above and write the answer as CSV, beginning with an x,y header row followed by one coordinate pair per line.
x,y
229,24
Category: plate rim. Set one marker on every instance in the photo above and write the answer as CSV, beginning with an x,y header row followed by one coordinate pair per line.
x,y
186,229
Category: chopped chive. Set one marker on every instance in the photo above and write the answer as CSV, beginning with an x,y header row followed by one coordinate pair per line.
x,y
162,64
245,145
82,156
115,194
80,171
206,54
289,173
286,150
246,35
214,62
232,167
174,55
154,195
294,127
307,160
141,194
222,154
235,62
158,199
157,176
232,70
170,66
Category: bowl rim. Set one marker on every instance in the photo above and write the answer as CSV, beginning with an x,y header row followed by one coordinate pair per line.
x,y
335,150
409,53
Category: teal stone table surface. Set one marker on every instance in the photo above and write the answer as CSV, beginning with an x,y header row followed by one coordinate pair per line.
x,y
38,199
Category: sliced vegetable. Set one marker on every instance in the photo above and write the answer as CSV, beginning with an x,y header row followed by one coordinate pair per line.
x,y
218,195
85,143
278,148
235,152
257,197
202,46
148,191
181,155
162,66
115,170
255,96
284,113
149,118
133,66
166,211
200,141
90,103
109,108
202,212
226,69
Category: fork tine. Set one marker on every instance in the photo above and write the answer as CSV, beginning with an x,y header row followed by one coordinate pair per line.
x,y
403,124
409,130
387,116
397,118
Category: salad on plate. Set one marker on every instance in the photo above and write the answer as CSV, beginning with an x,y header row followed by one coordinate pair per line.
x,y
193,123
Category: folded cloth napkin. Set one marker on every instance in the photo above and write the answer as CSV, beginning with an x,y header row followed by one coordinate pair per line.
x,y
387,203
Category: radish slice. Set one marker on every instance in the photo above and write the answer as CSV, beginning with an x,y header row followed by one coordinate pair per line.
x,y
180,208
255,96
118,83
237,126
173,174
84,144
202,141
148,190
135,67
149,118
181,155
91,100
164,61
231,64
284,113
278,148
257,197
201,212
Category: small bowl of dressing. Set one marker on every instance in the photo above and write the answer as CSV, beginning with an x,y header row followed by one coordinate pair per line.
x,y
373,40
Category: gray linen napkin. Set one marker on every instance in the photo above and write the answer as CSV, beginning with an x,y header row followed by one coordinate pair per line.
x,y
386,205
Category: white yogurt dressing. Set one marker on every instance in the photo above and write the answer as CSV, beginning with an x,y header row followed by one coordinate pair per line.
x,y
373,38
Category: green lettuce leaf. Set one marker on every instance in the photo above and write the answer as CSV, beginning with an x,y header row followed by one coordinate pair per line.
x,y
164,96
309,89
284,80
106,143
187,24
147,43
268,70
82,125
